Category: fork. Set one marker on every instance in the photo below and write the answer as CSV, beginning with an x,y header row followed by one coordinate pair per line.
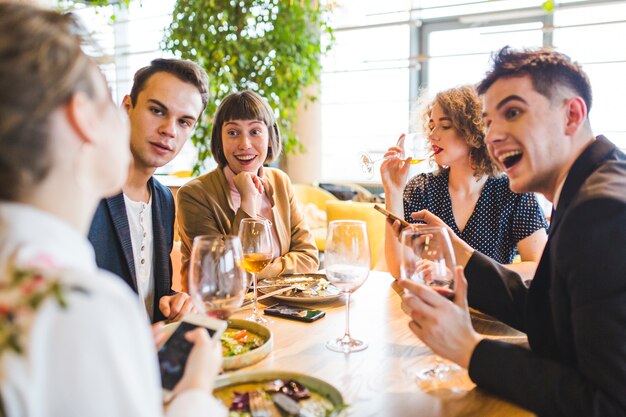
x,y
259,405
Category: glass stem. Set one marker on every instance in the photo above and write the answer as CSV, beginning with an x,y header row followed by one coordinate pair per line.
x,y
346,335
255,311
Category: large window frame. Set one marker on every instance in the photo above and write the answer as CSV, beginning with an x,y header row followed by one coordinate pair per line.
x,y
419,61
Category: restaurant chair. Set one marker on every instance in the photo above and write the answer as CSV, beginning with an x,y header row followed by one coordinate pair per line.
x,y
313,201
350,210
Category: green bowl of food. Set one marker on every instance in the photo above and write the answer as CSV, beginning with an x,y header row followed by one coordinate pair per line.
x,y
314,396
245,343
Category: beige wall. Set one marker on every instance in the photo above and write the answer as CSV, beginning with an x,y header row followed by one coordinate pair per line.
x,y
306,167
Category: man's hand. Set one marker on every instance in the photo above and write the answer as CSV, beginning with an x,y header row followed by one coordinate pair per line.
x,y
443,325
174,307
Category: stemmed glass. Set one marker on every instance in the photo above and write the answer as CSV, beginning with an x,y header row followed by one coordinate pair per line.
x,y
427,257
217,280
347,260
366,162
256,241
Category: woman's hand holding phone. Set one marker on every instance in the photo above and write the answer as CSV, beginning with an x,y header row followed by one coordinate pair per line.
x,y
203,363
192,356
392,217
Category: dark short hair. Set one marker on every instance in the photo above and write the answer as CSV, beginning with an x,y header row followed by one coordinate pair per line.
x,y
184,70
463,106
547,69
42,66
245,105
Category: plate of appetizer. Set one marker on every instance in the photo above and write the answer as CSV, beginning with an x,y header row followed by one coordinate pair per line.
x,y
307,288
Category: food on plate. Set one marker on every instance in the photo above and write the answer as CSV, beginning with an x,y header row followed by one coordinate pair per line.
x,y
239,341
237,397
305,285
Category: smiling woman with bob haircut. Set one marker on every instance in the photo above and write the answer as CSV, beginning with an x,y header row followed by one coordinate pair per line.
x,y
245,136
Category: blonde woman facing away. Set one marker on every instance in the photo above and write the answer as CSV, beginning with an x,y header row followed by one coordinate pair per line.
x,y
74,341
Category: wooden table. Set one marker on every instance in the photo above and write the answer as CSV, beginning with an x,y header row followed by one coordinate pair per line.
x,y
380,381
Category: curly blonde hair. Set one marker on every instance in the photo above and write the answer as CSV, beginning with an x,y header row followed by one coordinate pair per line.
x,y
464,108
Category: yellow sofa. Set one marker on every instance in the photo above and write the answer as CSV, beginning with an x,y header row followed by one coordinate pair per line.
x,y
349,210
313,202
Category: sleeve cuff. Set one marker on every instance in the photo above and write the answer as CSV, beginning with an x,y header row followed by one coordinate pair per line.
x,y
196,403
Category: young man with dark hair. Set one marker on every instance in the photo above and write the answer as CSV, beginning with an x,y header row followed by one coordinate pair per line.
x,y
133,232
536,106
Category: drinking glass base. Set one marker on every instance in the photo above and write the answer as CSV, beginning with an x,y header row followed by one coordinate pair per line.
x,y
440,371
257,318
346,345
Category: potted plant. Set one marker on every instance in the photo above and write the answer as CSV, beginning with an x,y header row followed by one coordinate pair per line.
x,y
272,47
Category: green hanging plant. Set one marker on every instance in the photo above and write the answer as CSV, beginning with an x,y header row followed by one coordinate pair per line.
x,y
68,5
272,47
548,6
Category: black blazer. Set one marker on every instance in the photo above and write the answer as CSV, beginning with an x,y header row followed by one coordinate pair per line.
x,y
574,312
110,236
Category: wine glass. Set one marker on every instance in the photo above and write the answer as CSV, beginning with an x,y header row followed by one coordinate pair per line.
x,y
256,241
347,260
427,257
366,162
217,279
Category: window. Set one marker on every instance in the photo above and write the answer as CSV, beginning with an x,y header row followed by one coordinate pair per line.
x,y
386,53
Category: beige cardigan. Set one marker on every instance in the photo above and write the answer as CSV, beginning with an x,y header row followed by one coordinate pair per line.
x,y
206,208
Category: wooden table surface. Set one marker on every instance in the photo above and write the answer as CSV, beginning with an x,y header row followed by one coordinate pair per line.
x,y
380,380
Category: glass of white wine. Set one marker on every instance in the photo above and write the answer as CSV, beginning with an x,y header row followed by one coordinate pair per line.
x,y
415,144
256,242
217,280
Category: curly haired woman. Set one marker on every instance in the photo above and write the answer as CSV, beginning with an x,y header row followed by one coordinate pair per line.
x,y
468,193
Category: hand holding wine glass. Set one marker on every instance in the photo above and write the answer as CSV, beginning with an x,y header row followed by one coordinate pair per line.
x,y
256,241
217,280
347,260
428,259
367,163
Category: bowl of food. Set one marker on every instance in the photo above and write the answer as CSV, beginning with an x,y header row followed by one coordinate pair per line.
x,y
245,343
312,396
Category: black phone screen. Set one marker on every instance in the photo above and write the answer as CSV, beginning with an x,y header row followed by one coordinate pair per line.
x,y
173,355
293,312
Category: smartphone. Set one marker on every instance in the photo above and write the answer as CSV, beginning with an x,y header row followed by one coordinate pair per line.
x,y
294,313
174,352
391,216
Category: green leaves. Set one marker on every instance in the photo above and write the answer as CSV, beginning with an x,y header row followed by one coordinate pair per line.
x,y
269,46
548,6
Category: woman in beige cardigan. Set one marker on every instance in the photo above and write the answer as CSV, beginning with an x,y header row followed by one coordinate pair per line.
x,y
245,135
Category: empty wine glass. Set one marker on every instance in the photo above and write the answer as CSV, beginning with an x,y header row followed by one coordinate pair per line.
x,y
256,241
367,163
217,279
347,260
428,258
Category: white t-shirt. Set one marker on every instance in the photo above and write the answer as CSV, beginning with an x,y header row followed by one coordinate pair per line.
x,y
96,357
140,223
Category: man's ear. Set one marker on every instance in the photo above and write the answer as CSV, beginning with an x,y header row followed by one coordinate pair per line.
x,y
576,115
82,116
127,103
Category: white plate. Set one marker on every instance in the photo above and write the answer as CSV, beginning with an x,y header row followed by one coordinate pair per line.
x,y
313,294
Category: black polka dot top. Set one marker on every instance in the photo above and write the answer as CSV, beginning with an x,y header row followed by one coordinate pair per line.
x,y
500,219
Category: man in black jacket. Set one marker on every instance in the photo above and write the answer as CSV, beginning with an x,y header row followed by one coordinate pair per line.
x,y
536,106
133,231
